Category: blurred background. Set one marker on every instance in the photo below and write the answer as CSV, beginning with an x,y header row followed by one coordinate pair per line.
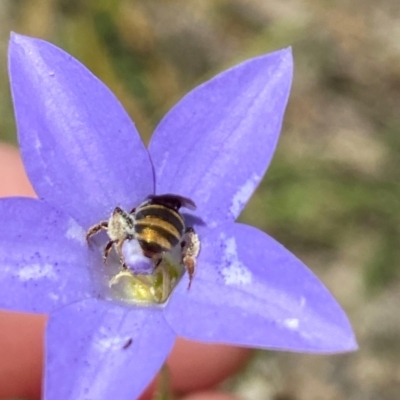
x,y
332,193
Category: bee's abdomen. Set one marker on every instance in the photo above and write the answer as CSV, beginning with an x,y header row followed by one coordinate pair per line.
x,y
158,228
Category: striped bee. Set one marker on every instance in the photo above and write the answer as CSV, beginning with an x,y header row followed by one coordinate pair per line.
x,y
158,227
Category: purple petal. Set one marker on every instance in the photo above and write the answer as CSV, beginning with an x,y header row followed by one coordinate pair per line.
x,y
215,145
43,257
249,290
100,350
80,149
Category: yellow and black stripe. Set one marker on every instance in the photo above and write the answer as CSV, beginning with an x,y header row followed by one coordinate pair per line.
x,y
158,228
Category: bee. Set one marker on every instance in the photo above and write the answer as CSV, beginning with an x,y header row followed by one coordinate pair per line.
x,y
158,227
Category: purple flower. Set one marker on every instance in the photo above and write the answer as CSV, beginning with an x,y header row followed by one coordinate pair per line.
x,y
84,157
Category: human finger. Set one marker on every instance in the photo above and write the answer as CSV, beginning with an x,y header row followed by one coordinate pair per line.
x,y
13,179
21,335
196,366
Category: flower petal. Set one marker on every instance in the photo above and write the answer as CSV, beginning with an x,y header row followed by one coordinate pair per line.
x,y
249,290
81,151
215,145
101,350
43,257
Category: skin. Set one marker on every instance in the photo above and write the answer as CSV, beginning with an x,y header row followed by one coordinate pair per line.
x,y
195,368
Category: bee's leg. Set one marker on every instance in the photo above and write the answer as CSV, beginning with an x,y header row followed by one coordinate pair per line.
x,y
118,247
107,250
157,262
190,265
133,210
190,251
96,228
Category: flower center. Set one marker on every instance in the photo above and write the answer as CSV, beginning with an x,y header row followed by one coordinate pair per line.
x,y
154,248
143,281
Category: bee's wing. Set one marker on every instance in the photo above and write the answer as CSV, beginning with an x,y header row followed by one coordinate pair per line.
x,y
174,200
187,203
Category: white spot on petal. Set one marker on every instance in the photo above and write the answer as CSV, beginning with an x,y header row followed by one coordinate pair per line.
x,y
212,225
53,296
292,323
36,271
114,343
160,169
37,144
75,232
107,343
235,272
242,196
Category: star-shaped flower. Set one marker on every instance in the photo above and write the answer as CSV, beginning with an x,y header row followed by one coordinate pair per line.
x,y
84,157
